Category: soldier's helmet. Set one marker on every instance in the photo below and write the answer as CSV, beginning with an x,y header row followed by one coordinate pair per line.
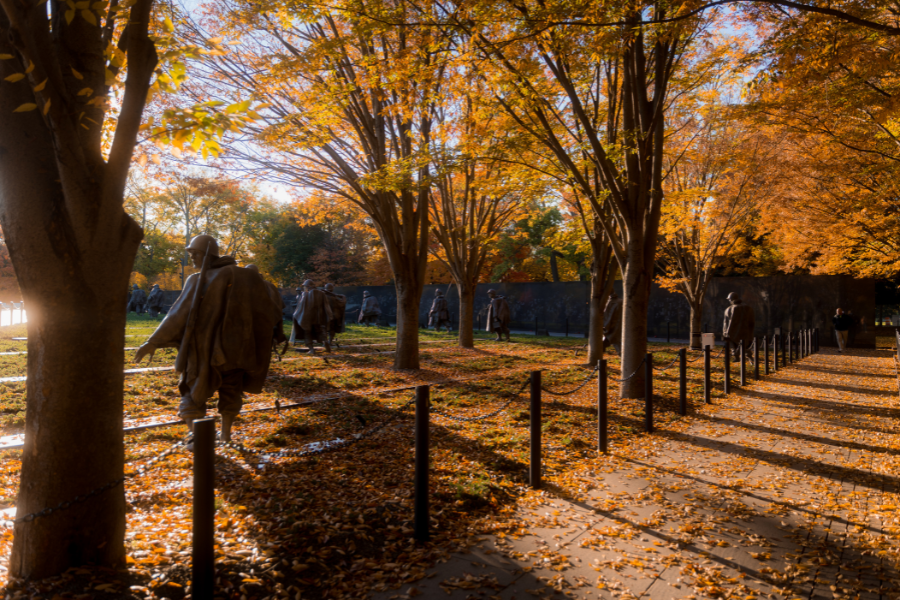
x,y
156,285
309,283
366,294
252,267
491,292
202,242
733,296
134,286
329,287
438,293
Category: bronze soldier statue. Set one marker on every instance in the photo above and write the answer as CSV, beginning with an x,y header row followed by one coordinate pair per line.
x,y
498,316
312,316
740,323
612,323
155,301
439,315
369,311
138,300
338,304
222,325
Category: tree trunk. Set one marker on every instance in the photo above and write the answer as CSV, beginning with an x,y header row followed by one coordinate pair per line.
x,y
696,323
595,326
635,304
466,315
75,364
408,298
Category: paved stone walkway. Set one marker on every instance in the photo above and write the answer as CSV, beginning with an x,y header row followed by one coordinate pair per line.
x,y
788,488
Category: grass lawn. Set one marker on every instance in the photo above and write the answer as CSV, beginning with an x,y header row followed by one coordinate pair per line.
x,y
339,523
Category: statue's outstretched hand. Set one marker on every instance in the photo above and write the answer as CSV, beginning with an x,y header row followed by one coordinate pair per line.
x,y
143,351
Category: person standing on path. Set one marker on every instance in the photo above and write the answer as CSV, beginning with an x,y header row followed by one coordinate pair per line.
x,y
740,324
842,324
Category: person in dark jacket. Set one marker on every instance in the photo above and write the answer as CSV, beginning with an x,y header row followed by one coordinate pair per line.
x,y
842,324
739,326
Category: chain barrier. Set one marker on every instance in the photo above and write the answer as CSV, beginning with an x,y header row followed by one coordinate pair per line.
x,y
581,385
636,371
325,446
66,504
514,397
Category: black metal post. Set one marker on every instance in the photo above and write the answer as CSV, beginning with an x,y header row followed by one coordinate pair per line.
x,y
421,511
755,358
535,326
817,340
648,393
707,390
602,410
668,332
203,577
790,345
682,381
567,326
727,388
784,351
743,366
775,352
535,473
765,342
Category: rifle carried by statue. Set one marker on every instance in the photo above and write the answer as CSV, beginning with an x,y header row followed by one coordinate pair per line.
x,y
181,361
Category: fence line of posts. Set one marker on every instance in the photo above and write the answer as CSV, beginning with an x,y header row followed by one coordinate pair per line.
x,y
203,581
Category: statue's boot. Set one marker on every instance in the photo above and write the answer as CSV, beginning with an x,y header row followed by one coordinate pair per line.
x,y
327,346
227,422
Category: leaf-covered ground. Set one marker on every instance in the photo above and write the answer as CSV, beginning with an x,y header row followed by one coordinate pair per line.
x,y
662,509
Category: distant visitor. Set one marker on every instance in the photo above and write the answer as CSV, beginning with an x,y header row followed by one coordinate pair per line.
x,y
222,324
740,324
842,324
369,311
498,316
439,315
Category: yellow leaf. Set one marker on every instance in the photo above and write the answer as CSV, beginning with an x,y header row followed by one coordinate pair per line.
x,y
99,5
89,17
30,68
70,14
26,107
15,77
39,87
81,5
77,75
168,26
6,56
156,159
85,92
46,107
142,160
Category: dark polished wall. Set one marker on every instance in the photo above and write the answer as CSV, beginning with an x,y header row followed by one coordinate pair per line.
x,y
791,302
